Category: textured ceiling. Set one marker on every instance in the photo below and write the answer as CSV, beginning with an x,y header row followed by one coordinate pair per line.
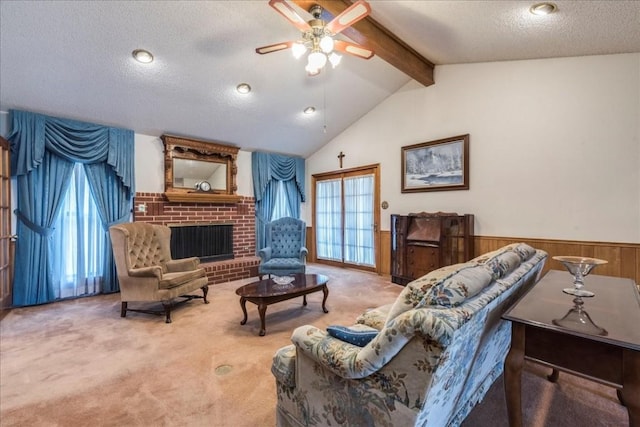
x,y
73,59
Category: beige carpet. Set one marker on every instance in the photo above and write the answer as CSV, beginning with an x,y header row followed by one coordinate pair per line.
x,y
77,363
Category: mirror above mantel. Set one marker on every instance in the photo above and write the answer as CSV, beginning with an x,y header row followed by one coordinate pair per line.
x,y
199,171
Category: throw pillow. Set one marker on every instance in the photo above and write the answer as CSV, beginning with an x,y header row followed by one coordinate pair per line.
x,y
359,335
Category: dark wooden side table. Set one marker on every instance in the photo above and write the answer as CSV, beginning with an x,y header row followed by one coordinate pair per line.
x,y
611,357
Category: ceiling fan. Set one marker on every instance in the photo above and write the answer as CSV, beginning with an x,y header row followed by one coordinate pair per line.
x,y
318,35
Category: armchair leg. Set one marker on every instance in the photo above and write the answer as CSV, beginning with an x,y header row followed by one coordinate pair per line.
x,y
167,311
123,309
205,291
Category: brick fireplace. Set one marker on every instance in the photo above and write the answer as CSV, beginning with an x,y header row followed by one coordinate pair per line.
x,y
242,215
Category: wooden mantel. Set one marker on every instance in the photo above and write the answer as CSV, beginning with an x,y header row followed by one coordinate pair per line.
x,y
383,42
195,197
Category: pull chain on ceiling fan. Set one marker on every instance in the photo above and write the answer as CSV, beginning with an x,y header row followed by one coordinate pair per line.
x,y
318,35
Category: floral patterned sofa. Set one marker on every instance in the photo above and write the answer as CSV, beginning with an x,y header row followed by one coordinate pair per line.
x,y
434,353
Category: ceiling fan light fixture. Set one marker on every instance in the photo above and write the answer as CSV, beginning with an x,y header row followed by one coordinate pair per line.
x,y
298,49
316,60
326,44
143,56
312,71
335,59
542,9
318,36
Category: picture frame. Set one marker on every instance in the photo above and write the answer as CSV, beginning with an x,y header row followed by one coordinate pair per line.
x,y
439,165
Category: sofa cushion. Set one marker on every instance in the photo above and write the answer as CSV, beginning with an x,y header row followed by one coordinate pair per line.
x,y
375,317
359,335
503,264
412,296
506,259
454,290
283,263
524,251
171,280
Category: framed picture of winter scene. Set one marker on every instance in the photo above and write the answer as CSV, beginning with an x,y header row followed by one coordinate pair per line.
x,y
436,165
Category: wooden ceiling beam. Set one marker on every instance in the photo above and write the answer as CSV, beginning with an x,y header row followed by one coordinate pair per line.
x,y
383,42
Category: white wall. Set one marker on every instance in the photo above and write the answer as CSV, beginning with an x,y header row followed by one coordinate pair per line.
x,y
149,166
554,146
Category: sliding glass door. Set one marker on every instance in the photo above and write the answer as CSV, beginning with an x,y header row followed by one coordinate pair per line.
x,y
345,217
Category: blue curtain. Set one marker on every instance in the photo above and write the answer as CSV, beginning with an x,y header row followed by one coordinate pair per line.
x,y
113,201
43,152
40,194
267,170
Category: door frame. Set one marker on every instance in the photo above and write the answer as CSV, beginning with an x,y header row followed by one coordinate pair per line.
x,y
6,238
342,173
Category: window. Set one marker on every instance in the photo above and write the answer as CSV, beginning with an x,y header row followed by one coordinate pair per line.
x,y
345,218
281,204
78,242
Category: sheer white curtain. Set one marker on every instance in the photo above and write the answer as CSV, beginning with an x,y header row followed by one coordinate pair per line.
x,y
359,220
78,242
281,205
352,241
329,219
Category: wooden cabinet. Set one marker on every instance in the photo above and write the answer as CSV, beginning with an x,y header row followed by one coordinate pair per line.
x,y
422,259
424,242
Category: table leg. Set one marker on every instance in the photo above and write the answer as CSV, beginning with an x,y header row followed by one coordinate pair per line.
x,y
262,309
553,376
513,375
243,304
325,291
304,300
631,385
620,398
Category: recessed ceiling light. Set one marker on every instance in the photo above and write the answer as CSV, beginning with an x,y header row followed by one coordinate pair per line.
x,y
142,55
309,110
543,9
243,88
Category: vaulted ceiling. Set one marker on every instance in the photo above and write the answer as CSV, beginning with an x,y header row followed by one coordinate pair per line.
x,y
73,59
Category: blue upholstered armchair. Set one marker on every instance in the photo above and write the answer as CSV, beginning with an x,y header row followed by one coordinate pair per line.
x,y
285,252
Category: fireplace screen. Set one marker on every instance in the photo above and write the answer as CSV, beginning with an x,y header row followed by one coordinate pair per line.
x,y
209,242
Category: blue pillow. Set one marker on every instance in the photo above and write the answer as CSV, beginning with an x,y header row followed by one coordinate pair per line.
x,y
359,336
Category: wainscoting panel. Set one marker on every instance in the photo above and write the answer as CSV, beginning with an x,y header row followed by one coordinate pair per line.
x,y
624,258
385,253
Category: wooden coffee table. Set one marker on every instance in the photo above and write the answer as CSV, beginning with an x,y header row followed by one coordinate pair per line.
x,y
266,292
610,357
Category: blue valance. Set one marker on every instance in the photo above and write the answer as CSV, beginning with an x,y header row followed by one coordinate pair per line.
x,y
267,166
72,140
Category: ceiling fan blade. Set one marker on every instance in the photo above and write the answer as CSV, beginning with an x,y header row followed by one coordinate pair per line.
x,y
273,47
290,14
349,16
352,49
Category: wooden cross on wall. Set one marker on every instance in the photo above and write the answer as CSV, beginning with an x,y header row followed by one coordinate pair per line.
x,y
340,157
